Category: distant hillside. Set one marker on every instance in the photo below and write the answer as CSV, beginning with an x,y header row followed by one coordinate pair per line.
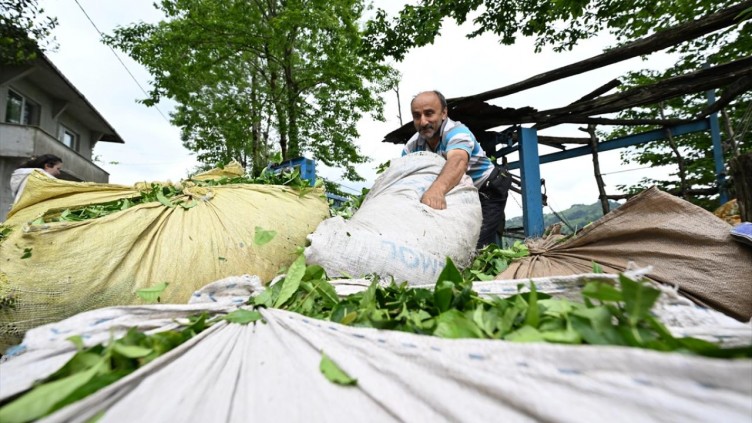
x,y
577,216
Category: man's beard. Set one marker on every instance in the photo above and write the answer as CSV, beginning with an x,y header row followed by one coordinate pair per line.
x,y
427,127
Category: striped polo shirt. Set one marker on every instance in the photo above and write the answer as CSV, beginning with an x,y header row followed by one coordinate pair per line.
x,y
456,135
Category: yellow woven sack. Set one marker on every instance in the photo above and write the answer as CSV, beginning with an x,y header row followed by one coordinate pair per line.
x,y
52,271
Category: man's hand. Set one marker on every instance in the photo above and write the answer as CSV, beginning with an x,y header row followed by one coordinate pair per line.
x,y
450,176
434,198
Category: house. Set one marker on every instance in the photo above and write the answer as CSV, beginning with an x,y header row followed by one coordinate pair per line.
x,y
41,112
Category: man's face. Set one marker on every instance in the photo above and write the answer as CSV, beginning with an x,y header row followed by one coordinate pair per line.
x,y
428,115
54,170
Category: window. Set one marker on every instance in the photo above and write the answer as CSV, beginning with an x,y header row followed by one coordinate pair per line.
x,y
68,137
20,110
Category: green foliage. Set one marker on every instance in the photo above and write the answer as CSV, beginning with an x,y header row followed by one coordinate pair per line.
x,y
696,149
349,207
561,24
93,368
612,315
491,260
24,31
251,78
578,216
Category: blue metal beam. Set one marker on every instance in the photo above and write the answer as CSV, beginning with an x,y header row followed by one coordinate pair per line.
x,y
617,143
532,201
715,135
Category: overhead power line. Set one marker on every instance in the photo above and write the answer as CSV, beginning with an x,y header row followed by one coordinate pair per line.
x,y
120,60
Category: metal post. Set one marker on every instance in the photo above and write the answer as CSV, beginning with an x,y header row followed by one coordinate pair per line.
x,y
715,135
532,201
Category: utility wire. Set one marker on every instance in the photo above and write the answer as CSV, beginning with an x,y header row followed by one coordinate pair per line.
x,y
626,170
119,59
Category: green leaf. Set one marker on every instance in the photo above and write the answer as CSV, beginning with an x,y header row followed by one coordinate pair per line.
x,y
40,400
190,205
263,236
292,281
152,294
266,298
130,351
164,200
454,324
80,362
450,273
602,291
77,341
532,317
334,373
563,336
349,318
638,298
525,334
26,253
243,316
443,295
597,268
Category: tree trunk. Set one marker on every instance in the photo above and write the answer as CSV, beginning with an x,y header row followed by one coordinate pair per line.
x,y
679,158
597,170
741,171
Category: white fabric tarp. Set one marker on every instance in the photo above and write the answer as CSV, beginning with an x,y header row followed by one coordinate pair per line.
x,y
270,371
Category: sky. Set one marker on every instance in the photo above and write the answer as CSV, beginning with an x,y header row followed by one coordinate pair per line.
x,y
454,65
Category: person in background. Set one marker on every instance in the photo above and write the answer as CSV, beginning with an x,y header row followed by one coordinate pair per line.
x,y
464,155
51,164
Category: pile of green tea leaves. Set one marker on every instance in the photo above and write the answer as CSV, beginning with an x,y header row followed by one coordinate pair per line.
x,y
348,208
491,260
609,315
171,195
93,368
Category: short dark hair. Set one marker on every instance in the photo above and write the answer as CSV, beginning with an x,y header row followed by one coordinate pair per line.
x,y
441,97
40,162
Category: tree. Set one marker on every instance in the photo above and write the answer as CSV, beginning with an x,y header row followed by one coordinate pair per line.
x,y
562,24
695,178
255,76
24,31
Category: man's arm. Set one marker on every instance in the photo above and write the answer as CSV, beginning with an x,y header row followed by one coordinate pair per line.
x,y
450,176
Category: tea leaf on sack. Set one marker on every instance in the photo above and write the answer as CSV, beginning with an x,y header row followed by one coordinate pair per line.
x,y
164,200
243,316
152,294
131,351
292,280
263,236
334,373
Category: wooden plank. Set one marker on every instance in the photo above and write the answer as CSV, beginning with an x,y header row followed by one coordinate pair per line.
x,y
658,41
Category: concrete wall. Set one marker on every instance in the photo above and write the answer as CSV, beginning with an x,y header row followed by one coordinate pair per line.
x,y
47,121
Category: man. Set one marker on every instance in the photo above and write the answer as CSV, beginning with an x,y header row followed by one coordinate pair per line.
x,y
464,155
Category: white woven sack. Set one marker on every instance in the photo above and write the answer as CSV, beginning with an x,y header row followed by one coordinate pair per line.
x,y
394,234
270,372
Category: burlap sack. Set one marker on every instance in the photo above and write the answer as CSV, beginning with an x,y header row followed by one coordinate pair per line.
x,y
687,246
